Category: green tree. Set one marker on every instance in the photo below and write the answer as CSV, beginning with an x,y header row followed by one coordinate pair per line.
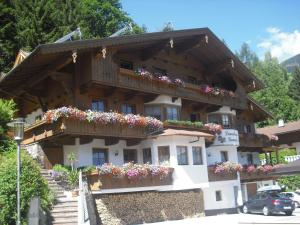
x,y
247,56
32,185
294,88
7,110
26,24
8,44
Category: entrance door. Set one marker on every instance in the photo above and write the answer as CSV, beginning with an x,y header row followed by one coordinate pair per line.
x,y
53,156
251,189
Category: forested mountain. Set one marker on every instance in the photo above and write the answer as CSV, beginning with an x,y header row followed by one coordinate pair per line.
x,y
281,93
26,24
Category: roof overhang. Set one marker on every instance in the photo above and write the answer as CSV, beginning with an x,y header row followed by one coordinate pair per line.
x,y
47,54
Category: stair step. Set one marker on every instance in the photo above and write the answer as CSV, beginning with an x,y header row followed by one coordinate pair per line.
x,y
65,221
65,209
61,215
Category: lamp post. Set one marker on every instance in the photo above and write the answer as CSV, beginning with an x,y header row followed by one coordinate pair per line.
x,y
18,126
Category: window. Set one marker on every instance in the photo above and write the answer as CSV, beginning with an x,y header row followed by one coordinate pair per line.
x,y
153,111
128,109
214,118
163,154
182,155
100,156
193,117
172,113
197,156
218,196
249,158
130,155
224,156
98,105
225,121
126,65
147,155
248,129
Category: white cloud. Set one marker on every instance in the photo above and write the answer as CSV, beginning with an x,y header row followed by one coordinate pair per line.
x,y
282,45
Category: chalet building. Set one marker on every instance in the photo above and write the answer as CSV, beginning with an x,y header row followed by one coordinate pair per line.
x,y
174,81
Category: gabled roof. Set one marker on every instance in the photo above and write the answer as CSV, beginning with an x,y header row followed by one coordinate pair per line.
x,y
20,57
275,130
261,113
42,56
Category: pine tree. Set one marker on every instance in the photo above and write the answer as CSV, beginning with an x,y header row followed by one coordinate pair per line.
x,y
8,43
294,88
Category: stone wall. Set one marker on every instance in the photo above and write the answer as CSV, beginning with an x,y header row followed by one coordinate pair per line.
x,y
147,207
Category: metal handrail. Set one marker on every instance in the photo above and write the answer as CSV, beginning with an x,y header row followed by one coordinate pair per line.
x,y
83,190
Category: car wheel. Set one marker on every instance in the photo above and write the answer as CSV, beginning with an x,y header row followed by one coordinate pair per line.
x,y
245,209
289,213
266,211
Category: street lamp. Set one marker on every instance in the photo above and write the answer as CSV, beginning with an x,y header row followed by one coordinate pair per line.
x,y
18,126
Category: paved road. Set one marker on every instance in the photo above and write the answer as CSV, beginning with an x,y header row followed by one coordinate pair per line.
x,y
257,219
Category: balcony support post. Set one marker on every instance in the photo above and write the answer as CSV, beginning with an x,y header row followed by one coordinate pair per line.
x,y
277,156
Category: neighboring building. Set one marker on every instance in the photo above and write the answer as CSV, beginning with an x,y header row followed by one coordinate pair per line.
x,y
292,63
288,135
100,75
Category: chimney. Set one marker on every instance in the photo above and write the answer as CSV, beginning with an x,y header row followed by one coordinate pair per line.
x,y
280,123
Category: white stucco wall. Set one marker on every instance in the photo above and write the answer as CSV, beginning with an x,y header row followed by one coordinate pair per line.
x,y
297,146
30,118
214,154
164,99
185,176
242,157
227,192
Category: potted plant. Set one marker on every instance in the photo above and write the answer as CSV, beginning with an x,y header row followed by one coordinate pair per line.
x,y
73,182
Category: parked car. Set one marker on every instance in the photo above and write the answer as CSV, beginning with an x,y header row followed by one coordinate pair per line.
x,y
295,196
269,202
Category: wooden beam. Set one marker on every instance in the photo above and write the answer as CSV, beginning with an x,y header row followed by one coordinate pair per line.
x,y
36,138
189,44
132,142
150,98
155,49
85,140
219,66
111,141
109,92
56,65
130,95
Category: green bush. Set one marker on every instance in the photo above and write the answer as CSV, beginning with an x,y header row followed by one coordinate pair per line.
x,y
73,179
61,168
32,185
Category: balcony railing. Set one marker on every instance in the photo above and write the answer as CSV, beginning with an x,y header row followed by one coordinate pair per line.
x,y
125,78
254,140
105,181
212,176
66,126
291,158
244,176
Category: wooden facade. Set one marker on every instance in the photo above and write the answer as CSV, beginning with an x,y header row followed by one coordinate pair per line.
x,y
77,73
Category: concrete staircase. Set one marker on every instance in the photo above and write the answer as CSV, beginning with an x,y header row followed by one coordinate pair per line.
x,y
65,209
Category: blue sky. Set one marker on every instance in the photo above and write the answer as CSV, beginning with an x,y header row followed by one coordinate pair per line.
x,y
267,25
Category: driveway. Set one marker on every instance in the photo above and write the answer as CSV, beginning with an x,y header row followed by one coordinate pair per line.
x,y
257,219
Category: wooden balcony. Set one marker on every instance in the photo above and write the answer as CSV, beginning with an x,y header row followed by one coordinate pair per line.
x,y
70,127
258,176
128,79
219,177
254,140
104,182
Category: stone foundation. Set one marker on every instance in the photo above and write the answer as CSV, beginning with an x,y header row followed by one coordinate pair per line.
x,y
147,207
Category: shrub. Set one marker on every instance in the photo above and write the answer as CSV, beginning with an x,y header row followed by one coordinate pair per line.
x,y
73,179
32,185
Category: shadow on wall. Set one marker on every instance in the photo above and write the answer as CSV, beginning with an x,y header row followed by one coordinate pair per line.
x,y
147,207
